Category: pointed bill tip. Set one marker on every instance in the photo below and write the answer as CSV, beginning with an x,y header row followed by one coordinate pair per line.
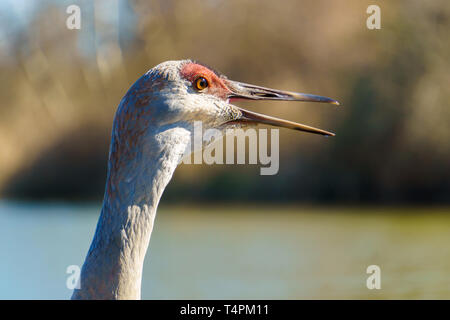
x,y
335,102
315,98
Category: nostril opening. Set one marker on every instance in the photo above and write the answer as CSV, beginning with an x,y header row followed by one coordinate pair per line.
x,y
266,95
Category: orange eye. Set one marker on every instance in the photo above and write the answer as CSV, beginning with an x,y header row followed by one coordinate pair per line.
x,y
201,83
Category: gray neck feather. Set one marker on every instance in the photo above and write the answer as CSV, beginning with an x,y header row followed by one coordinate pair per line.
x,y
135,183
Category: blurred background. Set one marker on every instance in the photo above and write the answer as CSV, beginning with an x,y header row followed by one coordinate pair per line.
x,y
377,193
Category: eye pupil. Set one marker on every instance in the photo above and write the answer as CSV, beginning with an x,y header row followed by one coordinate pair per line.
x,y
201,83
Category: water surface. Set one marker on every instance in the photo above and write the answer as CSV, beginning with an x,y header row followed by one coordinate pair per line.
x,y
239,252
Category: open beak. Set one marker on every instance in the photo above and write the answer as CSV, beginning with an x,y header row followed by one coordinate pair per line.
x,y
241,90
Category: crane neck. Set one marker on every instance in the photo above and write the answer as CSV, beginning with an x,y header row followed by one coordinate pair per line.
x,y
138,173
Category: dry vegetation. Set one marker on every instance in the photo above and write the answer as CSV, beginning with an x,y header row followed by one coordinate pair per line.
x,y
59,90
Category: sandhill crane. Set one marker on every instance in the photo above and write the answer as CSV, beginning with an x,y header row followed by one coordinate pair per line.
x,y
151,130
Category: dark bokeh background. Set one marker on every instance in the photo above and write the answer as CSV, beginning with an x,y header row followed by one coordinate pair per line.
x,y
60,88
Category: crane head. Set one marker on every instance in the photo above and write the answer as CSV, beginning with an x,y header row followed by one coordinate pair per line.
x,y
204,82
185,91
